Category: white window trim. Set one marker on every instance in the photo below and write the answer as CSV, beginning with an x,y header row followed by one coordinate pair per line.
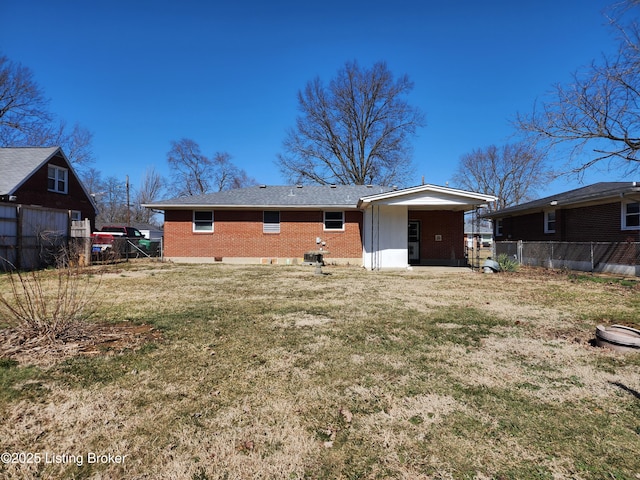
x,y
270,227
59,171
546,221
624,215
324,221
193,224
498,227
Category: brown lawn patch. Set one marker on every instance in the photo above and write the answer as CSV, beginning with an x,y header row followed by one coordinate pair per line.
x,y
87,339
272,372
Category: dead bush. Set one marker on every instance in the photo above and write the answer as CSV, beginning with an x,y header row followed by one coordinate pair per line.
x,y
47,303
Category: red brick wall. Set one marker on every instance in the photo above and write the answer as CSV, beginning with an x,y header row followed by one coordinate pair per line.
x,y
35,192
596,223
449,225
238,233
600,223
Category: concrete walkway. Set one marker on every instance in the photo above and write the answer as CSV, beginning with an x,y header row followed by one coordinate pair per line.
x,y
452,270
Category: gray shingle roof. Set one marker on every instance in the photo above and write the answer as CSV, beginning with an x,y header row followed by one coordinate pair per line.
x,y
18,164
590,193
344,196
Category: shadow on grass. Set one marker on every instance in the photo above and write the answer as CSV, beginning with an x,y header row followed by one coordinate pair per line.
x,y
622,386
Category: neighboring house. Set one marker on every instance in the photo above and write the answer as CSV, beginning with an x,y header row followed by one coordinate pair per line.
x,y
372,226
43,177
478,234
602,212
40,196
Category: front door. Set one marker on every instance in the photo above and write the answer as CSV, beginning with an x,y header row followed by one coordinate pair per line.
x,y
414,242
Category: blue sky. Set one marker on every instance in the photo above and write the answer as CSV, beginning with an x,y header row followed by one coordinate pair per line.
x,y
140,74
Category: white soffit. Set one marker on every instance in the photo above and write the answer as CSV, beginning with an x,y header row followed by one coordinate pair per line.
x,y
428,196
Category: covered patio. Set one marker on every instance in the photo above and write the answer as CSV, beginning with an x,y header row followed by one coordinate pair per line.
x,y
422,225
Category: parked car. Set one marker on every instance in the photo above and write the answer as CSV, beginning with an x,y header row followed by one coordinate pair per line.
x,y
120,240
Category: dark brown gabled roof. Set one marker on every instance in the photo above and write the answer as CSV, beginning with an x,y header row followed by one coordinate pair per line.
x,y
591,194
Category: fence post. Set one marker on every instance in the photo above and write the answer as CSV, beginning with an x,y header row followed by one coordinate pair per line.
x,y
20,239
519,250
593,267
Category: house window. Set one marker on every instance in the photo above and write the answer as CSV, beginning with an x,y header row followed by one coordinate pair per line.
x,y
203,221
550,221
631,216
498,225
271,222
76,215
57,179
334,220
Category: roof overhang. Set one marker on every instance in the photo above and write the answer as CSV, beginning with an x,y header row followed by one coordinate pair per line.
x,y
550,203
209,206
423,197
429,197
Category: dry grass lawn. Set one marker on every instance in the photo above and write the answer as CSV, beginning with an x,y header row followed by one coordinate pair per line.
x,y
266,372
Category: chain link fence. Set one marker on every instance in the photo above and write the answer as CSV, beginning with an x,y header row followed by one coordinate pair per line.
x,y
608,257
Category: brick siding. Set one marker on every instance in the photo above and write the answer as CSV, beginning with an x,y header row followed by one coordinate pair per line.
x,y
238,233
449,225
595,223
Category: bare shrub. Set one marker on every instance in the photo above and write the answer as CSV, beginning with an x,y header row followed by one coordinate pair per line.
x,y
47,303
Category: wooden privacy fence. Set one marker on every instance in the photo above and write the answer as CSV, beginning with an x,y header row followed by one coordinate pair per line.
x,y
31,237
609,257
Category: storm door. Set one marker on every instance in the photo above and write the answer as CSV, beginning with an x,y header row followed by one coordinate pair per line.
x,y
413,248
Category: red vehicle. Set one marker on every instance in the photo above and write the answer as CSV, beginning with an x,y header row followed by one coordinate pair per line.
x,y
116,239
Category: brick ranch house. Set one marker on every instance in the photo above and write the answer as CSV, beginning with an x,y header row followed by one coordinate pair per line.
x,y
602,212
371,226
594,228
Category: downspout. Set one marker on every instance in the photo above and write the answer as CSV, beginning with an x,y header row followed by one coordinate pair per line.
x,y
378,242
371,246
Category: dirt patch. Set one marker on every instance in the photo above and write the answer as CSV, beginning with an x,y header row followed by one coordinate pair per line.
x,y
88,339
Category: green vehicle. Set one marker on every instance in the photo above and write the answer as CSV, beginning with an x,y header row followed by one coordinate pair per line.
x,y
109,236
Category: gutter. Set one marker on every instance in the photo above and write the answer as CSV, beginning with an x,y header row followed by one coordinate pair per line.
x,y
190,206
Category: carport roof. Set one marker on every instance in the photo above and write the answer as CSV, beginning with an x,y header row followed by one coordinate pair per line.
x,y
429,197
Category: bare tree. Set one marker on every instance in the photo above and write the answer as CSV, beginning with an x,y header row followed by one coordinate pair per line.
x,y
112,202
194,173
512,173
92,181
25,119
355,131
191,170
151,187
24,111
76,143
226,175
600,108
